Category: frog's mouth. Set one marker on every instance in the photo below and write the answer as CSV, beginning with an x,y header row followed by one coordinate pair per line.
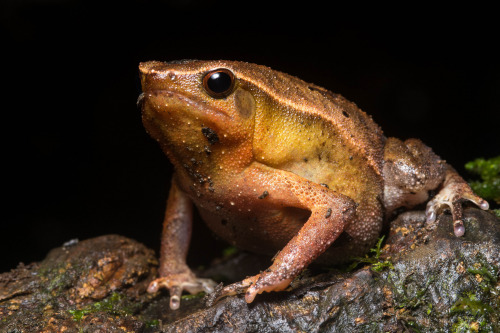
x,y
179,103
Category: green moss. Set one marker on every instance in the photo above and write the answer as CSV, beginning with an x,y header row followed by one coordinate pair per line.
x,y
412,299
57,278
152,323
372,258
79,314
478,310
415,327
194,296
488,275
463,326
112,305
489,172
471,305
229,251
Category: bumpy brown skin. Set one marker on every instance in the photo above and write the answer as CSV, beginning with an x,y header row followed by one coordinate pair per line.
x,y
279,164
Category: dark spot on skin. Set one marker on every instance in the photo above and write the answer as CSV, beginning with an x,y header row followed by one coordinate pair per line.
x,y
223,221
210,184
328,213
345,114
210,134
305,160
411,192
350,158
263,195
325,185
207,150
200,178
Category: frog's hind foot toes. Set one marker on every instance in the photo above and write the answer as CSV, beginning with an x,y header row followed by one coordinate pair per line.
x,y
177,283
452,197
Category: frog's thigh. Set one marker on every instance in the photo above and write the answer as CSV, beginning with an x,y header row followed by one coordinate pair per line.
x,y
358,237
331,212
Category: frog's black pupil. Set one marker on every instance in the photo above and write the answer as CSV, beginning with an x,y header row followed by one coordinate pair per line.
x,y
219,82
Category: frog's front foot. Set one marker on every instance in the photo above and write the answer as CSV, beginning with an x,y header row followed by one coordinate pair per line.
x,y
265,281
451,197
176,283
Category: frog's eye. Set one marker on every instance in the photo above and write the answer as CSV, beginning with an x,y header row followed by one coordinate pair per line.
x,y
219,83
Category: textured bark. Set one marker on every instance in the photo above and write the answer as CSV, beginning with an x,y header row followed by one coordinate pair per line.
x,y
437,282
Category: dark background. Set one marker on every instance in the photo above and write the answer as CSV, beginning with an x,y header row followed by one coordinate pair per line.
x,y
77,162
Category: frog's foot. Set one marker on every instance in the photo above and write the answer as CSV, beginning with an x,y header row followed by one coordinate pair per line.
x,y
452,197
176,283
265,281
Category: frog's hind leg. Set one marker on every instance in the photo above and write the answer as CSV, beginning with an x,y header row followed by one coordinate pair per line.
x,y
412,169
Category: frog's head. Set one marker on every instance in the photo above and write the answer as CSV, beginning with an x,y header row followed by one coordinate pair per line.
x,y
197,107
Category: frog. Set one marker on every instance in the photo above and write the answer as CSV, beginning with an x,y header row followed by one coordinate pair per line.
x,y
281,167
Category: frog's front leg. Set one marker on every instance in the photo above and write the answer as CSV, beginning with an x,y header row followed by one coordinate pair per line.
x,y
331,212
174,273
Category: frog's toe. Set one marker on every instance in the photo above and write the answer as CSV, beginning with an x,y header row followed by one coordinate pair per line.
x,y
235,288
177,283
266,281
480,202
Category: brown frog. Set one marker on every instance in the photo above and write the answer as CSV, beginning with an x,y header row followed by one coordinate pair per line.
x,y
273,163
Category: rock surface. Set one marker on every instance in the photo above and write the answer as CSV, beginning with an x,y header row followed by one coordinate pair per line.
x,y
423,279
